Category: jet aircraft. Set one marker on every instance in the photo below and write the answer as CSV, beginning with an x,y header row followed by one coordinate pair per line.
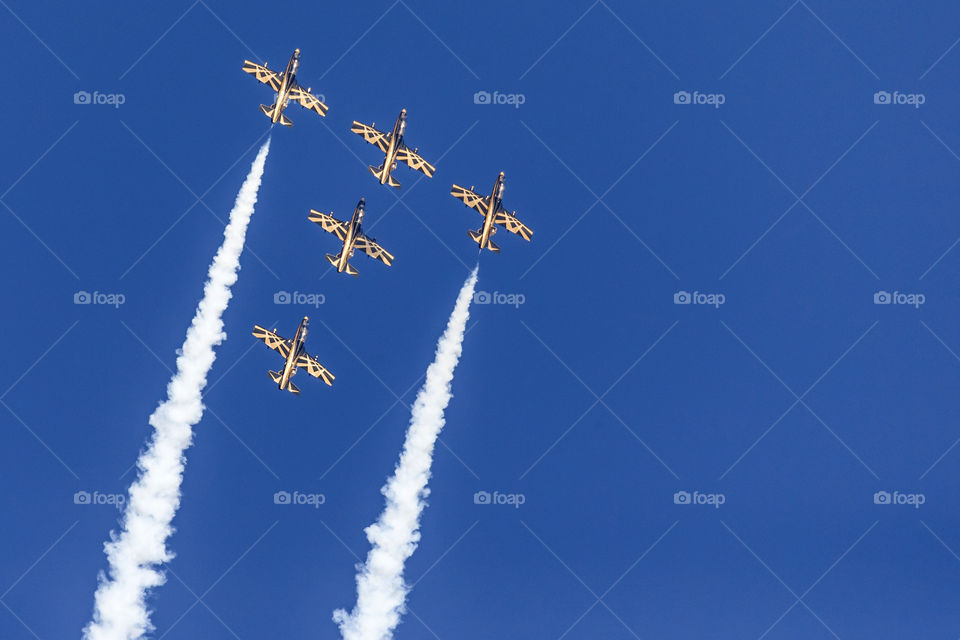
x,y
295,356
351,233
393,146
491,208
285,84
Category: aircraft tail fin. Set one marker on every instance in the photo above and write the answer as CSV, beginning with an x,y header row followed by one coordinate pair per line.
x,y
476,235
271,111
380,173
292,388
352,270
333,259
275,376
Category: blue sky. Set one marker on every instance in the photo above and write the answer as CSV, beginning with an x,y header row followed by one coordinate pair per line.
x,y
598,399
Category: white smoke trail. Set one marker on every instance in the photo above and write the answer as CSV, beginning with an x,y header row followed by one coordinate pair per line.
x,y
381,591
120,608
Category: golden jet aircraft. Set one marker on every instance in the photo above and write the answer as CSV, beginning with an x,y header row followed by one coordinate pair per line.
x,y
352,235
285,84
295,355
491,208
392,145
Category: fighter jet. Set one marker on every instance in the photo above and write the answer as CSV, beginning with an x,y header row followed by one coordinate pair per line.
x,y
285,84
295,355
392,145
352,235
491,208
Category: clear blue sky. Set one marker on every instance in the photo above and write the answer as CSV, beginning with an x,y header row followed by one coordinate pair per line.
x,y
598,399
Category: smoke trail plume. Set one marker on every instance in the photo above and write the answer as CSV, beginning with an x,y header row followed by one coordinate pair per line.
x,y
381,591
120,609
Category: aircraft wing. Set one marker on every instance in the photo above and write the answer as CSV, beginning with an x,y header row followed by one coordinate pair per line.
x,y
375,137
414,161
329,224
470,198
372,249
264,75
272,340
307,100
315,369
511,224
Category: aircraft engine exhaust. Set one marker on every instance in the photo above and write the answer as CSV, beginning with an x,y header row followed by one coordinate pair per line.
x,y
381,590
137,551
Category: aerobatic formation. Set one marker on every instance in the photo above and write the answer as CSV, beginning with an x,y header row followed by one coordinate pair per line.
x,y
393,145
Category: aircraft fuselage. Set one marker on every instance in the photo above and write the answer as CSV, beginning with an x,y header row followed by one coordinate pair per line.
x,y
396,139
290,367
286,83
353,229
496,198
